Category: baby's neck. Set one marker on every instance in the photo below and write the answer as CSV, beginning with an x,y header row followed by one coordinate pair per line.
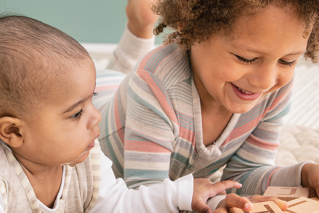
x,y
45,180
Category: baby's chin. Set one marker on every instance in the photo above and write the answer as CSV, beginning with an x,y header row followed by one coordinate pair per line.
x,y
79,159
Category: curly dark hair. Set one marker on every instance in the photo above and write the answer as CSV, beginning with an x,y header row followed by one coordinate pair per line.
x,y
199,19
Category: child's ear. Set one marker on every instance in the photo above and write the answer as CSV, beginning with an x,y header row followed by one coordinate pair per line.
x,y
10,131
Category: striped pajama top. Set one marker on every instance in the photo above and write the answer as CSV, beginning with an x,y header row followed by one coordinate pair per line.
x,y
151,129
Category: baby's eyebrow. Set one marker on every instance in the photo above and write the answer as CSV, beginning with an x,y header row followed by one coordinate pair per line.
x,y
80,102
76,104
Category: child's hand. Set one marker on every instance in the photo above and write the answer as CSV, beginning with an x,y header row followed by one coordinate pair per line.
x,y
310,176
245,203
204,189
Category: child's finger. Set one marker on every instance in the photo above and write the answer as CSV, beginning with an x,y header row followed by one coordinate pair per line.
x,y
222,193
201,207
233,200
222,186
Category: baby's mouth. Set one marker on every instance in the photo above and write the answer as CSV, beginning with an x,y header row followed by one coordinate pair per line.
x,y
88,148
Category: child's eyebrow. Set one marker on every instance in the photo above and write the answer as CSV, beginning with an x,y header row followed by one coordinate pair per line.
x,y
76,104
245,48
297,53
242,47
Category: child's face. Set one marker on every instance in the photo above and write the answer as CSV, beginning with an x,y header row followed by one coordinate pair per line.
x,y
258,57
65,129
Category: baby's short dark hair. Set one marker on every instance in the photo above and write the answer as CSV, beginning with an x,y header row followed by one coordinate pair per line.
x,y
33,56
199,19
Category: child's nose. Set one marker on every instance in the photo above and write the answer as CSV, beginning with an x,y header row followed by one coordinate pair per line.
x,y
95,119
98,116
265,77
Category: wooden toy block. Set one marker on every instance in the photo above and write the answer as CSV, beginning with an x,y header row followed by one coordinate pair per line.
x,y
303,205
287,193
262,207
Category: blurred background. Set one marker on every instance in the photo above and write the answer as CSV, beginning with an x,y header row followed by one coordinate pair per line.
x,y
88,21
96,24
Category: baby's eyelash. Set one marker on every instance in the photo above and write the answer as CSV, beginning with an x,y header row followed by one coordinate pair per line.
x,y
291,63
77,115
246,61
95,93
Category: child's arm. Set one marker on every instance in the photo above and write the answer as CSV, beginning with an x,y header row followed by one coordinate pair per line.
x,y
184,193
129,50
138,37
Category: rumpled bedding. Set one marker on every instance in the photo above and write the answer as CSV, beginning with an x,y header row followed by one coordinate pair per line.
x,y
298,144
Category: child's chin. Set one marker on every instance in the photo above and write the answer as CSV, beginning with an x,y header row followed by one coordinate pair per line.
x,y
80,159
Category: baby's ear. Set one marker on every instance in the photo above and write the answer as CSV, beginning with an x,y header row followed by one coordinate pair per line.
x,y
10,131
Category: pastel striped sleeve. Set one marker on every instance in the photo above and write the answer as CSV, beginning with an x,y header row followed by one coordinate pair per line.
x,y
253,163
150,131
129,50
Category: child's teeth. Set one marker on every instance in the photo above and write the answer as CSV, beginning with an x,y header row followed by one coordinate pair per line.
x,y
244,91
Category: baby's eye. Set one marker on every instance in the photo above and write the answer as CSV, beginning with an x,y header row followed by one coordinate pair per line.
x,y
288,63
77,115
246,61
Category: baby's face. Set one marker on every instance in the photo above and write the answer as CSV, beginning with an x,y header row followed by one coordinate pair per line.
x,y
66,128
257,58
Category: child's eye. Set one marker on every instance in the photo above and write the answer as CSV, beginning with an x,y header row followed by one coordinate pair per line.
x,y
77,115
288,63
94,93
246,61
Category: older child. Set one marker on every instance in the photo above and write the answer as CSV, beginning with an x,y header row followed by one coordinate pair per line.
x,y
214,95
49,126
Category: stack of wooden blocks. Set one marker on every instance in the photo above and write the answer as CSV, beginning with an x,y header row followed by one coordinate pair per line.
x,y
300,200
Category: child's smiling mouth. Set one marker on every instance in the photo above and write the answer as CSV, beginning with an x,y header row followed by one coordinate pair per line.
x,y
245,95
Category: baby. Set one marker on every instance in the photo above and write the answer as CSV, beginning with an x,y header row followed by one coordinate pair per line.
x,y
50,159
